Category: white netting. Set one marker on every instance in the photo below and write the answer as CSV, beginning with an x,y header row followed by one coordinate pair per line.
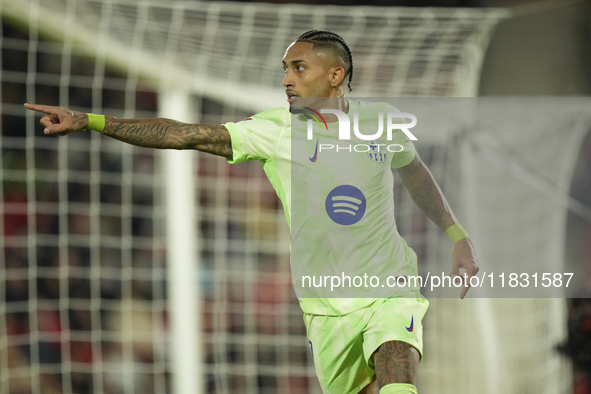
x,y
82,307
232,51
510,185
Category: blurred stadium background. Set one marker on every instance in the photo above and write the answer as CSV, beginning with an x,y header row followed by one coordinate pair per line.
x,y
84,258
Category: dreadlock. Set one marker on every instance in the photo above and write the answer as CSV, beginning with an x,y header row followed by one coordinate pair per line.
x,y
336,43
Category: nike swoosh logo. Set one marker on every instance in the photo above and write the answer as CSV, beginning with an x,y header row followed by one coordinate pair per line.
x,y
409,329
315,157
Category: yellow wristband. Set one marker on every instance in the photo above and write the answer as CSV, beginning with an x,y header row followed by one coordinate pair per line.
x,y
96,122
456,232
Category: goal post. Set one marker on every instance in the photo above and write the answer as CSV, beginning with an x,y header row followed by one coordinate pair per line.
x,y
182,246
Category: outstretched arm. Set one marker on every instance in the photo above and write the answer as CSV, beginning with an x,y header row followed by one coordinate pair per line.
x,y
428,196
151,133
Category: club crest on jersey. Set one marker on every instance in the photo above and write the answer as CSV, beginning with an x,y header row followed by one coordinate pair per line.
x,y
377,152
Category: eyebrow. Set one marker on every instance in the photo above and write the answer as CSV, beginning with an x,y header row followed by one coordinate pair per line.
x,y
295,61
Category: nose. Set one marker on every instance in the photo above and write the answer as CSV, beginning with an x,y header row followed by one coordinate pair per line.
x,y
288,80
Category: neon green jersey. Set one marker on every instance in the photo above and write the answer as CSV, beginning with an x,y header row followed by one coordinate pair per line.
x,y
341,215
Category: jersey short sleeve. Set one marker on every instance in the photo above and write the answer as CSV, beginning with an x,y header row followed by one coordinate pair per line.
x,y
408,152
257,137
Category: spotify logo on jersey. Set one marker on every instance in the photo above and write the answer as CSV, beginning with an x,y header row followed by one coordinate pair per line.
x,y
345,205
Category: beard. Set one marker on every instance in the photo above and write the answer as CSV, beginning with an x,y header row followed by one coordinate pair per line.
x,y
296,110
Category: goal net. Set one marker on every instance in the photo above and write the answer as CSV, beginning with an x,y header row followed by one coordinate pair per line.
x,y
83,300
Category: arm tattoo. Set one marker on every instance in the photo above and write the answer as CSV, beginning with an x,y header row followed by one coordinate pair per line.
x,y
426,194
209,138
171,134
137,132
425,198
396,362
79,118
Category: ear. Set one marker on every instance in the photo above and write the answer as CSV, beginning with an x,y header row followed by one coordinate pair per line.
x,y
336,76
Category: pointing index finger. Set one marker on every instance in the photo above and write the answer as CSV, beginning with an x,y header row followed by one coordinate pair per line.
x,y
40,108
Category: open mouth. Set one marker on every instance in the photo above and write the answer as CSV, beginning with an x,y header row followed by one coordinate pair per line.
x,y
291,97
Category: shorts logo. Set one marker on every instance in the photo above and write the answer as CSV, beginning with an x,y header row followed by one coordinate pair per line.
x,y
377,152
411,328
311,348
345,205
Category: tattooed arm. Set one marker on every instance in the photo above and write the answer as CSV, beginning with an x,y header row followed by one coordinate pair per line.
x,y
151,133
428,196
170,134
426,193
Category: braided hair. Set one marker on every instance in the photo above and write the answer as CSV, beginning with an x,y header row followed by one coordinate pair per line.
x,y
336,43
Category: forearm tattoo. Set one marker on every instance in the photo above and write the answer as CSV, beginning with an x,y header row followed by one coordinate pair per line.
x,y
427,199
136,132
396,362
427,195
171,134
